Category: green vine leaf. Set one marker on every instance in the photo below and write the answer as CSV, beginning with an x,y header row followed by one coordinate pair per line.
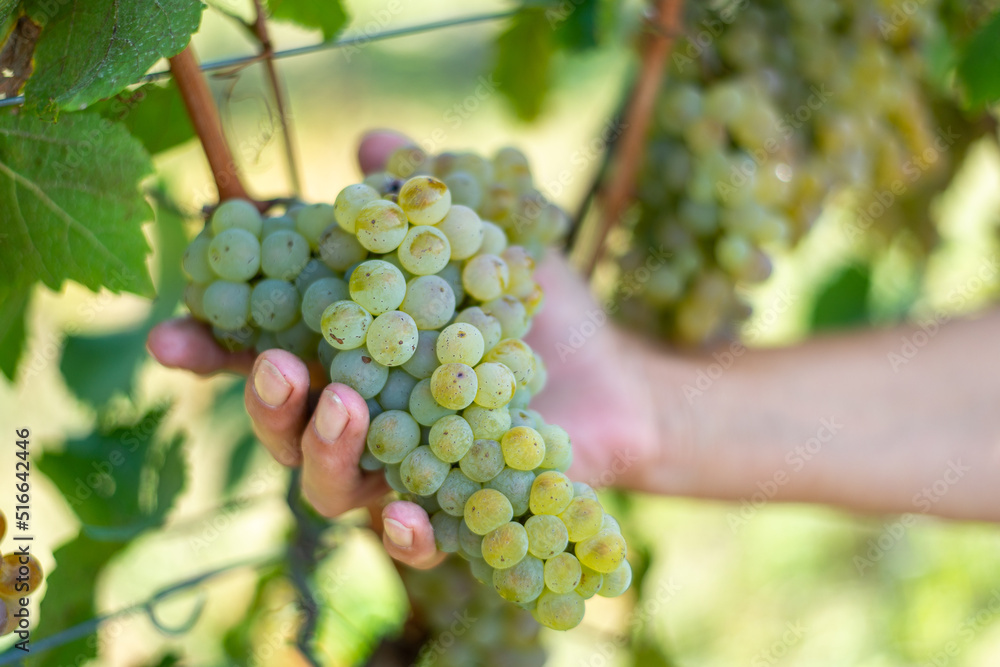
x,y
71,204
6,9
92,50
154,114
979,67
13,309
524,61
329,15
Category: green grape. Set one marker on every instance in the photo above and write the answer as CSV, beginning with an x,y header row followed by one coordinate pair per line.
x,y
481,571
464,230
424,251
521,417
454,385
429,301
423,407
340,250
590,582
324,351
395,395
465,189
551,493
734,252
274,304
349,203
378,286
194,299
487,510
539,378
267,340
470,545
498,202
452,274
488,325
496,385
511,314
298,339
455,491
369,463
487,423
358,370
521,267
476,165
611,523
558,450
392,338
319,296
510,161
393,435
393,258
485,277
236,214
515,355
523,448
445,531
394,479
516,485
547,536
483,461
450,438
584,490
236,340
422,472
271,225
559,611
522,583
381,226
583,518
312,220
374,409
283,254
494,239
345,324
603,552
234,255
428,503
521,399
424,360
617,582
506,546
562,573
227,304
425,200
314,270
195,261
460,343
407,161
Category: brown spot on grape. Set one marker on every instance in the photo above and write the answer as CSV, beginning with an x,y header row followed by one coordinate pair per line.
x,y
366,360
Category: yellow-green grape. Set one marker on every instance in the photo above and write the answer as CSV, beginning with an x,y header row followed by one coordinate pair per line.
x,y
236,214
515,355
547,536
378,286
312,220
195,261
521,417
487,510
358,370
465,189
424,251
275,224
283,254
374,409
422,472
392,435
274,304
268,340
533,301
395,395
452,274
314,270
194,299
234,254
516,485
590,582
610,523
340,250
481,571
381,226
460,343
558,450
238,340
505,546
488,325
603,552
20,575
485,277
584,490
559,611
483,462
498,202
478,166
349,203
393,478
392,338
487,423
523,448
445,531
393,258
464,230
424,360
345,324
227,304
562,573
425,200
470,545
319,296
406,161
583,518
423,407
617,582
511,314
522,270
511,166
494,239
455,491
298,339
551,493
522,583
450,438
430,301
454,385
383,182
496,385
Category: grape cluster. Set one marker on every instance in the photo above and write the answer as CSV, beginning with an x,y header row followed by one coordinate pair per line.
x,y
20,577
410,289
769,111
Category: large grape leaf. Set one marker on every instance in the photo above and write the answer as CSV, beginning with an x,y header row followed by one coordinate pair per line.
x,y
13,308
328,15
93,49
6,9
71,205
843,301
154,114
979,67
524,58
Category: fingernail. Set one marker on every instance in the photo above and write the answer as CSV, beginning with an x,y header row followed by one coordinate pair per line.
x,y
398,534
331,416
270,385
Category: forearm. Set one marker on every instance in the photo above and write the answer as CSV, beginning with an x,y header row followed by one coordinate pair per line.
x,y
836,421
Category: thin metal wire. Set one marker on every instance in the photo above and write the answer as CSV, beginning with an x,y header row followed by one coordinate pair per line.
x,y
354,40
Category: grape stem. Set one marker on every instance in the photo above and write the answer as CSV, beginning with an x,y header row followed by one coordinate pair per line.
x,y
664,24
